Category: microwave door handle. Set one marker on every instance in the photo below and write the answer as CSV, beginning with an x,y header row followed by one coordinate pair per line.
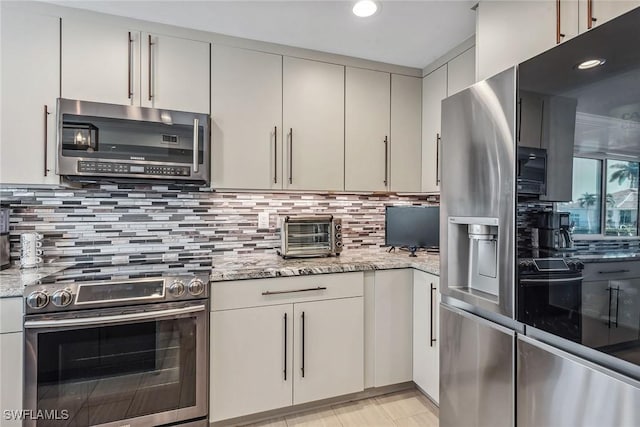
x,y
196,137
105,320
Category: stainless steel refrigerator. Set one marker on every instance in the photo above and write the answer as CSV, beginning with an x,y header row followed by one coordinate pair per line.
x,y
512,353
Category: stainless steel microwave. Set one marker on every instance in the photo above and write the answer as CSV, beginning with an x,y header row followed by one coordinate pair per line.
x,y
118,143
310,236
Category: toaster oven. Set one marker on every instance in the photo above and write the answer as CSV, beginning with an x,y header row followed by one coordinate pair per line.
x,y
310,236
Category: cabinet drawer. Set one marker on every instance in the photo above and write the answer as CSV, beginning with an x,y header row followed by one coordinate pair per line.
x,y
11,315
284,290
611,270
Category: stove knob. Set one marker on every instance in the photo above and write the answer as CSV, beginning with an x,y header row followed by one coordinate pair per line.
x,y
176,289
61,298
196,287
37,299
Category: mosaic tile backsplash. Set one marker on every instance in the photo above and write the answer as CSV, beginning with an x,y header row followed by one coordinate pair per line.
x,y
123,224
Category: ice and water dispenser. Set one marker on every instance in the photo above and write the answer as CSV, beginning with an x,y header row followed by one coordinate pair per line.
x,y
473,255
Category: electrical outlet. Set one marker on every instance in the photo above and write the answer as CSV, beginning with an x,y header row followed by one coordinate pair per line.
x,y
263,220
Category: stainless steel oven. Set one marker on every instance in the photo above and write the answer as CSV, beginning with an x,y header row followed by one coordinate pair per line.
x,y
105,142
135,365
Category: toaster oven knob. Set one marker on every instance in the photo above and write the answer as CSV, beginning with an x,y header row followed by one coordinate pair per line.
x,y
61,298
338,236
338,227
196,287
37,299
176,289
339,244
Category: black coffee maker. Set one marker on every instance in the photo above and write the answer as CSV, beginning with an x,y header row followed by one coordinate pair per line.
x,y
555,231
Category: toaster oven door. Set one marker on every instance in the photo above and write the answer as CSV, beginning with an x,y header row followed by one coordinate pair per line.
x,y
308,238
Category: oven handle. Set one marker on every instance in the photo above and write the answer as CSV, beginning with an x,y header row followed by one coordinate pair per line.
x,y
569,279
104,320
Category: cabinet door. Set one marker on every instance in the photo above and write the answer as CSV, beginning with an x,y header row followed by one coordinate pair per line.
x,y
250,354
461,71
313,116
511,32
596,320
328,349
625,311
426,357
434,90
175,73
603,11
11,372
393,327
367,117
246,114
100,62
405,133
30,85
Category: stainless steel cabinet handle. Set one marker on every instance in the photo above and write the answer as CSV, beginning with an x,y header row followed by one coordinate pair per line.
x,y
285,346
613,271
319,288
302,364
129,72
119,318
386,160
617,289
275,154
196,140
590,18
290,155
431,333
559,34
437,159
150,62
46,139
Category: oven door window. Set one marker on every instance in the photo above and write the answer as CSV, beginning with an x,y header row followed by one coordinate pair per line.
x,y
309,236
117,372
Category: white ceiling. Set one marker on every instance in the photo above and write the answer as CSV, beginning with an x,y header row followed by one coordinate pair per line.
x,y
410,33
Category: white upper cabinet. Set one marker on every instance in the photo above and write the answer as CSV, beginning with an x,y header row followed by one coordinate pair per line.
x,y
603,11
461,71
367,122
246,114
313,118
434,90
405,144
30,46
175,73
133,68
100,62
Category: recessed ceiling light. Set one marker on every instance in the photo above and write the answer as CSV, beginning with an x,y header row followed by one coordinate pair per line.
x,y
365,8
590,63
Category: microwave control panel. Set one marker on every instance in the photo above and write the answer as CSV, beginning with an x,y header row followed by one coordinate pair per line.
x,y
92,167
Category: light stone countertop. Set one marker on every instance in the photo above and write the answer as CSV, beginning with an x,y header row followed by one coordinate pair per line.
x,y
255,266
14,279
265,265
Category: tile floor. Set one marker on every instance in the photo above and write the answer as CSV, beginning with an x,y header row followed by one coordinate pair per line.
x,y
402,409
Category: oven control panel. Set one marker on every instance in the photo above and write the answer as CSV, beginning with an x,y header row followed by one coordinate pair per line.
x,y
96,167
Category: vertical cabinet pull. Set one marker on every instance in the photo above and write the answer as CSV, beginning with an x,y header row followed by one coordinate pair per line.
x,y
302,364
386,159
431,333
285,346
590,18
609,316
150,62
196,140
275,154
437,159
617,304
559,34
46,138
291,158
129,72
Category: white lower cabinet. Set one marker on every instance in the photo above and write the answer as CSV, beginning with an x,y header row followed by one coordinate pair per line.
x,y
329,349
258,352
393,327
426,347
250,360
11,374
